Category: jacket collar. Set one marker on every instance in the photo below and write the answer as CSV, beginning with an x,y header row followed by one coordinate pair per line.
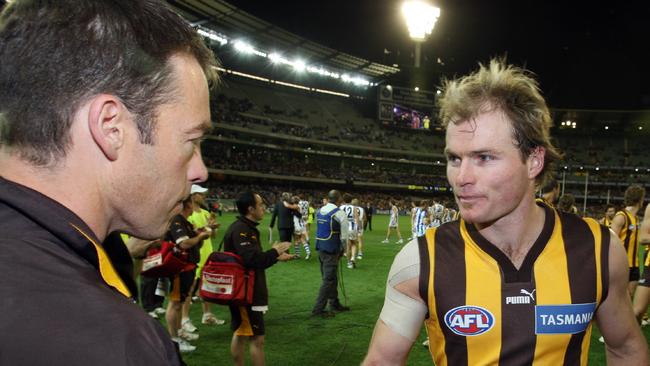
x,y
70,230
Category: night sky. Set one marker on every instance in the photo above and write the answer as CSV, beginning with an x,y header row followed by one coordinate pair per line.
x,y
586,55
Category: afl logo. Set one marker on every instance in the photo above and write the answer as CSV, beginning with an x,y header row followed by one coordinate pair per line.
x,y
469,320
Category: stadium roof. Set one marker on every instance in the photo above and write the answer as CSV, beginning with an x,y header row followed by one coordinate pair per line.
x,y
223,17
587,55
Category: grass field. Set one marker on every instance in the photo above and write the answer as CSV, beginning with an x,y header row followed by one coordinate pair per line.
x,y
293,338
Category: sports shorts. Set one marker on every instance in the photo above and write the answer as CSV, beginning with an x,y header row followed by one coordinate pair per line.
x,y
246,322
181,286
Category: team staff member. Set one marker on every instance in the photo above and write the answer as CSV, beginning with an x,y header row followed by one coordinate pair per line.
x,y
625,224
102,104
181,232
514,282
243,238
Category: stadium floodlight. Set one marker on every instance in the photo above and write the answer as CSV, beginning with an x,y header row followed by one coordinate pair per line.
x,y
212,35
299,65
243,47
274,57
420,20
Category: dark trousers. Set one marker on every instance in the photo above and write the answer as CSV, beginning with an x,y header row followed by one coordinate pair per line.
x,y
148,295
368,224
329,264
285,234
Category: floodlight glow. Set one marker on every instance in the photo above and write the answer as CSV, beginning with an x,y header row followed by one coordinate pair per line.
x,y
243,47
299,65
420,18
640,127
359,81
417,89
607,127
213,36
275,58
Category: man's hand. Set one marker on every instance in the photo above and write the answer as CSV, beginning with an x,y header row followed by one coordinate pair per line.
x,y
212,223
282,247
285,257
203,234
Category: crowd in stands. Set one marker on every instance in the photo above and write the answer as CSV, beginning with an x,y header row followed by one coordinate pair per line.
x,y
270,161
239,112
610,180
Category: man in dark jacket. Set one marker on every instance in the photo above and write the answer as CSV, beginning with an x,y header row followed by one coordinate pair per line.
x,y
243,238
103,105
284,211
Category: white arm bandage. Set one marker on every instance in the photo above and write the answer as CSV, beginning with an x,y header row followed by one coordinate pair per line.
x,y
401,313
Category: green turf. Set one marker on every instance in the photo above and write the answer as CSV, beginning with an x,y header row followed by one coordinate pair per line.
x,y
293,338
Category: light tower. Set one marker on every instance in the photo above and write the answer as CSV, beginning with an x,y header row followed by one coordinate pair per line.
x,y
420,18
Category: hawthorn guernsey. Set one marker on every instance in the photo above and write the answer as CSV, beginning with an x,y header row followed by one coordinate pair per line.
x,y
563,319
469,320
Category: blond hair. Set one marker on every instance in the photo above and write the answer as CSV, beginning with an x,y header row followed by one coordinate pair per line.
x,y
514,92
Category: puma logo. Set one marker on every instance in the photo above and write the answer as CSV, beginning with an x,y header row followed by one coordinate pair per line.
x,y
531,294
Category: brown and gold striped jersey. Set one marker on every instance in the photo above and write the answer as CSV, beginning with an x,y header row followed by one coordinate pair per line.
x,y
629,236
485,311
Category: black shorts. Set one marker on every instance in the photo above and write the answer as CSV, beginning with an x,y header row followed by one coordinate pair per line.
x,y
645,281
246,322
181,286
634,274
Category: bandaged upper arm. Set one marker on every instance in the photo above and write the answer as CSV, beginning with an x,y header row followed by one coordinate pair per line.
x,y
402,313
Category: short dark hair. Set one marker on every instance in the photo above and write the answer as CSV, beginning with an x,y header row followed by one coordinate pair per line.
x,y
633,194
244,201
56,54
347,198
566,202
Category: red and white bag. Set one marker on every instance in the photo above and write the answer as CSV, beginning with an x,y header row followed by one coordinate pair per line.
x,y
166,261
225,280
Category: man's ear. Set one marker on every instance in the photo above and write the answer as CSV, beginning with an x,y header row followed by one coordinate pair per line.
x,y
535,161
106,117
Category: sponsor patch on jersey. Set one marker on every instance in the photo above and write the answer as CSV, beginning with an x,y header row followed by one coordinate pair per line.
x,y
563,319
468,320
